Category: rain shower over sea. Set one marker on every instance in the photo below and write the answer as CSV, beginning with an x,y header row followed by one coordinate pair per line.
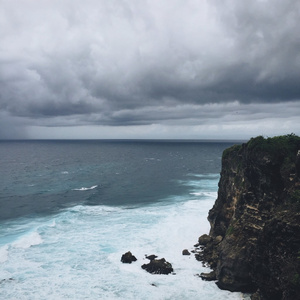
x,y
70,209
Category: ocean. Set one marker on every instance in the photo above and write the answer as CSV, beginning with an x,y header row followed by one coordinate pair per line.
x,y
70,209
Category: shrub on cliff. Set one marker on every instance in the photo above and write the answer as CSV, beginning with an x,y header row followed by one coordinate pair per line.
x,y
285,145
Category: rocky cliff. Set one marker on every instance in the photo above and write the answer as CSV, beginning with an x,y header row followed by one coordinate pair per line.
x,y
254,241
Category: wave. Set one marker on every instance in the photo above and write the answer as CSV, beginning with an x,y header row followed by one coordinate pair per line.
x,y
3,254
204,194
28,240
86,188
205,176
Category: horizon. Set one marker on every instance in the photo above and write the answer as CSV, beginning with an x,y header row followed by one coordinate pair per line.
x,y
131,140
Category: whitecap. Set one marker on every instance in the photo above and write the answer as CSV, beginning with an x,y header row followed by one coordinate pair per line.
x,y
64,172
80,259
52,223
205,194
3,254
28,240
208,175
86,188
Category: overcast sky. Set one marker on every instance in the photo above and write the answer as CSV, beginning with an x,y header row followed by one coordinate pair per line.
x,y
195,69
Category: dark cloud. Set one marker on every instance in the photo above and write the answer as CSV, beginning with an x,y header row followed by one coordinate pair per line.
x,y
119,63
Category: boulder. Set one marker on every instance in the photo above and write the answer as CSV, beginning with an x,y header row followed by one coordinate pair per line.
x,y
128,258
186,252
204,240
158,266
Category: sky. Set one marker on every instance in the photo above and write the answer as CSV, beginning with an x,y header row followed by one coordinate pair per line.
x,y
132,69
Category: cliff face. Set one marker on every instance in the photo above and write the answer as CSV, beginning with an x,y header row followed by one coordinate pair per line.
x,y
254,243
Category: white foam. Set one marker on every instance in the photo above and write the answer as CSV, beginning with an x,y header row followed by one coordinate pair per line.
x,y
205,194
52,223
3,254
64,172
28,240
77,254
86,188
208,175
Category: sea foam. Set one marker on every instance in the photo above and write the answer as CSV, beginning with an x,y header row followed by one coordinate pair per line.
x,y
77,252
86,188
28,240
3,254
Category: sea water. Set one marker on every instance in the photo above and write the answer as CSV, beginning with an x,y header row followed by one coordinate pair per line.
x,y
70,209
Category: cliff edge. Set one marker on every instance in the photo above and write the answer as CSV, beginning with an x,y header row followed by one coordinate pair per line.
x,y
254,241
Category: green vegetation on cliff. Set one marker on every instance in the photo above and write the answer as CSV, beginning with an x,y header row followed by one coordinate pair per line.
x,y
285,144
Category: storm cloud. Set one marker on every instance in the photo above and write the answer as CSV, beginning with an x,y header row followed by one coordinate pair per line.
x,y
135,63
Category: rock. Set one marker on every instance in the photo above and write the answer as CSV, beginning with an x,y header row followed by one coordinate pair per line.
x,y
209,276
186,252
204,239
128,258
158,266
253,243
217,240
256,296
151,257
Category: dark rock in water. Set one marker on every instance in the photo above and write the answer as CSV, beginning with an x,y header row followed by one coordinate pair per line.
x,y
186,252
158,266
209,276
254,240
128,258
151,257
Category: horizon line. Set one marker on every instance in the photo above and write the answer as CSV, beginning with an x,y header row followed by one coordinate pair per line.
x,y
129,140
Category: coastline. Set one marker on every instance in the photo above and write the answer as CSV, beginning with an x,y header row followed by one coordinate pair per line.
x,y
253,242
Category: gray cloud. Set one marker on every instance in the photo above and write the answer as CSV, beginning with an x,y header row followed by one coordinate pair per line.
x,y
120,63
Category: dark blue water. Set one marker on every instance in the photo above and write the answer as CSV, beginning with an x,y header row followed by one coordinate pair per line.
x,y
44,176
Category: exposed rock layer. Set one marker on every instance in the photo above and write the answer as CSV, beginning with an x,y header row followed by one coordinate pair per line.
x,y
254,241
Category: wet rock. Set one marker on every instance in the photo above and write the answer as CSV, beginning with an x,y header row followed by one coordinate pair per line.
x,y
128,258
186,252
151,257
209,276
158,266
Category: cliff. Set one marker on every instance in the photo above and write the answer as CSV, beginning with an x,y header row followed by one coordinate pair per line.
x,y
254,241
